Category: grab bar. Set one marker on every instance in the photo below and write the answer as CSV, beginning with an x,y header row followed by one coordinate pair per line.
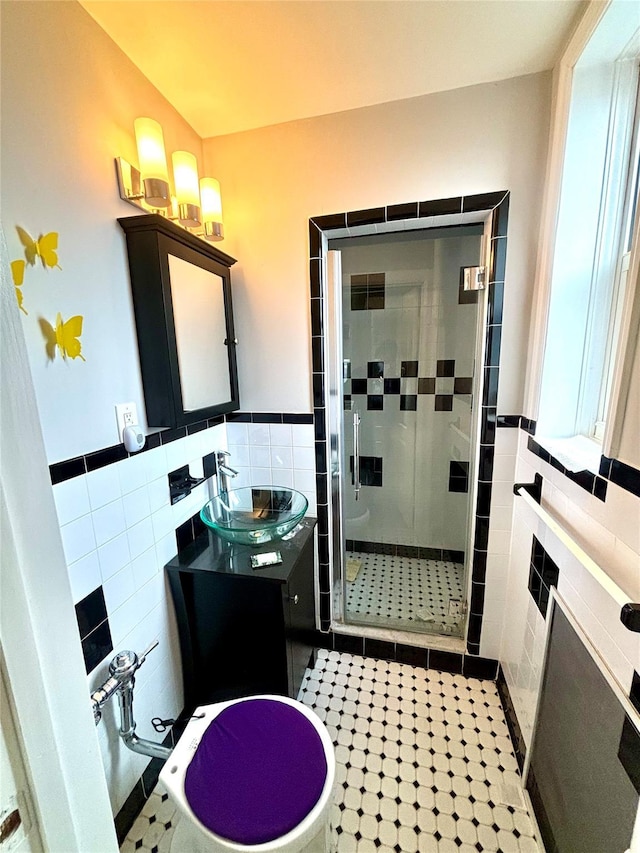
x,y
356,455
629,612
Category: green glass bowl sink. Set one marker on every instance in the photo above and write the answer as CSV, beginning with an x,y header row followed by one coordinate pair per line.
x,y
254,515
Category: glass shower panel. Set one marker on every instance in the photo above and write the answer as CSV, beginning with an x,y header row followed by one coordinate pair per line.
x,y
408,348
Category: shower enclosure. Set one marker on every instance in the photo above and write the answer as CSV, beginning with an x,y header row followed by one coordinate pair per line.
x,y
404,338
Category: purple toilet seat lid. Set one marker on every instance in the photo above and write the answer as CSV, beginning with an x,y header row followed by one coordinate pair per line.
x,y
259,770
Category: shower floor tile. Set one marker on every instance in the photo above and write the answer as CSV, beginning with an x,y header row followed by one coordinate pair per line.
x,y
401,592
424,764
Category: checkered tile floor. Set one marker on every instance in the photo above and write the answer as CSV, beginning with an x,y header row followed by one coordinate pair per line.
x,y
424,764
405,593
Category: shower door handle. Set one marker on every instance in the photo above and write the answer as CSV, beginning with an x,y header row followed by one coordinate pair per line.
x,y
356,455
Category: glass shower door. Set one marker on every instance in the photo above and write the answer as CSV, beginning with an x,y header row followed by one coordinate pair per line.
x,y
408,339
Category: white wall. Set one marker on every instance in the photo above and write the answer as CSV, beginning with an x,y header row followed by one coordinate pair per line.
x,y
483,138
69,99
610,533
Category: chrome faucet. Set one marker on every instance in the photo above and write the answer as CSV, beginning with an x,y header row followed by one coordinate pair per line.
x,y
225,473
122,670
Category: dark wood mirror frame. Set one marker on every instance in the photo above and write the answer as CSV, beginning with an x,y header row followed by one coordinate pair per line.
x,y
151,239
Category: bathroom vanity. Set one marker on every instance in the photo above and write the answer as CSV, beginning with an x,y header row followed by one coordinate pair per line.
x,y
242,630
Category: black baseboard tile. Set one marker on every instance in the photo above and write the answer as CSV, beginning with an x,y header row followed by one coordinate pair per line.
x,y
515,732
445,661
412,655
127,815
348,643
477,667
380,649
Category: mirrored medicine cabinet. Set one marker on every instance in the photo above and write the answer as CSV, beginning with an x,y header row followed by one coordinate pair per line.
x,y
181,289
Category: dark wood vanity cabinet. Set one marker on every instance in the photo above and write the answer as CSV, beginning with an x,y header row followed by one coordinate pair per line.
x,y
243,631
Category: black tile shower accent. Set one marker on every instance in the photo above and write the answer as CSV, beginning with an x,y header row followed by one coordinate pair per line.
x,y
543,574
458,476
481,538
370,470
426,385
96,646
375,369
483,502
379,649
367,291
413,655
320,428
358,386
392,386
408,368
347,643
409,403
375,402
318,391
417,552
446,367
444,402
463,385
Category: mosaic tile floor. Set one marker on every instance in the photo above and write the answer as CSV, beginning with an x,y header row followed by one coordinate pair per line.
x,y
405,592
424,764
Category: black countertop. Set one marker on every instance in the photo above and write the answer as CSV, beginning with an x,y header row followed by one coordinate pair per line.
x,y
210,553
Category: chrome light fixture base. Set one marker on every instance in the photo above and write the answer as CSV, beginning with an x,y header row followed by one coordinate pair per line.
x,y
152,192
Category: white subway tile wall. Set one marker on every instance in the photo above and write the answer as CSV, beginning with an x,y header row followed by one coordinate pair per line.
x,y
118,530
274,454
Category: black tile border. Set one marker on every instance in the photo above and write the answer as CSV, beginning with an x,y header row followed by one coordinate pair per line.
x,y
456,663
611,470
519,745
79,465
499,203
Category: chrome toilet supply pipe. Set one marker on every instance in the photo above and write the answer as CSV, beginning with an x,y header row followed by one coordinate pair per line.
x,y
121,680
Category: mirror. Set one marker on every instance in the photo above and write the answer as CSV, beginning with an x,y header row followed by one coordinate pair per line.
x,y
181,289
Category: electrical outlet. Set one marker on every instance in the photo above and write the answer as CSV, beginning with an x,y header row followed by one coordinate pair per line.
x,y
126,415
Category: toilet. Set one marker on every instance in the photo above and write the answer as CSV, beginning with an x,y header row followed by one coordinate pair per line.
x,y
252,774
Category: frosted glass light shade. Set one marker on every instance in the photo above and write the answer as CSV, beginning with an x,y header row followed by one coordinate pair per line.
x,y
185,178
211,208
152,161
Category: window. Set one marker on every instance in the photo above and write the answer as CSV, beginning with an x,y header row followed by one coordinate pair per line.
x,y
598,202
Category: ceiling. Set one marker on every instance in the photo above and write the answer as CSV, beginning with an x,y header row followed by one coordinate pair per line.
x,y
233,65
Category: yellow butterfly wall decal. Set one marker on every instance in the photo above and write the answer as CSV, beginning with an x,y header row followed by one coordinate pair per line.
x,y
44,248
17,273
64,337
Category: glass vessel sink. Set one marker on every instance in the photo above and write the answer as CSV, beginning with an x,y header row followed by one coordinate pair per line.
x,y
254,515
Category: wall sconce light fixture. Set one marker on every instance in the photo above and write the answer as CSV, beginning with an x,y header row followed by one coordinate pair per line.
x,y
196,204
211,209
185,178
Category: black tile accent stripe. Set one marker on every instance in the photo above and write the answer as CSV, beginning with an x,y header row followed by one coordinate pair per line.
x,y
543,574
93,627
499,202
592,483
414,551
